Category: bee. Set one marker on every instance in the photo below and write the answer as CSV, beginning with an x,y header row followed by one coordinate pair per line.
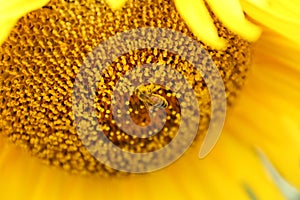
x,y
146,93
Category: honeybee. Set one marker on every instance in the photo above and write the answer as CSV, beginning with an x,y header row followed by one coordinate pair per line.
x,y
146,93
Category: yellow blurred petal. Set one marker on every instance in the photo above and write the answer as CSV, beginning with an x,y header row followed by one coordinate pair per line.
x,y
231,14
281,8
116,4
240,163
219,176
11,11
268,110
279,15
18,8
273,129
287,60
200,22
6,27
289,191
185,181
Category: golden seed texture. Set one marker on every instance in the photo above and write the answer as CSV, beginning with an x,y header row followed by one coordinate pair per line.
x,y
44,53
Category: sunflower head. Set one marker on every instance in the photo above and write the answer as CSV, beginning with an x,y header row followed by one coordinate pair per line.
x,y
45,51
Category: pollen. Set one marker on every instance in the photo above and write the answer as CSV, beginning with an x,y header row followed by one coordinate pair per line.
x,y
45,51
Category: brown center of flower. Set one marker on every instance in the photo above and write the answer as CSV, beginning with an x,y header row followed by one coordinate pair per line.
x,y
43,55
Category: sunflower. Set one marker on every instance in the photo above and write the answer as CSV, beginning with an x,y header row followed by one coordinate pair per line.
x,y
257,156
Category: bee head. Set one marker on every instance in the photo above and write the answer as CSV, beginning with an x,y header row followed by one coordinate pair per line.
x,y
141,91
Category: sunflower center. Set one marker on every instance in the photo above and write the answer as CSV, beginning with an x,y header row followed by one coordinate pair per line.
x,y
44,53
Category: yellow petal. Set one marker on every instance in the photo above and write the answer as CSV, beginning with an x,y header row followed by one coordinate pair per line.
x,y
116,4
268,110
279,15
11,11
200,22
6,27
230,166
289,191
231,14
233,160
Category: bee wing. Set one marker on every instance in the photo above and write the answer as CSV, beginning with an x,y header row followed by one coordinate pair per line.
x,y
146,101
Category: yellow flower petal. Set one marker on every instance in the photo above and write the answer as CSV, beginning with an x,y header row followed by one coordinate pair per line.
x,y
195,14
200,22
223,174
11,11
289,191
240,163
231,14
6,27
279,15
116,4
281,8
268,110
